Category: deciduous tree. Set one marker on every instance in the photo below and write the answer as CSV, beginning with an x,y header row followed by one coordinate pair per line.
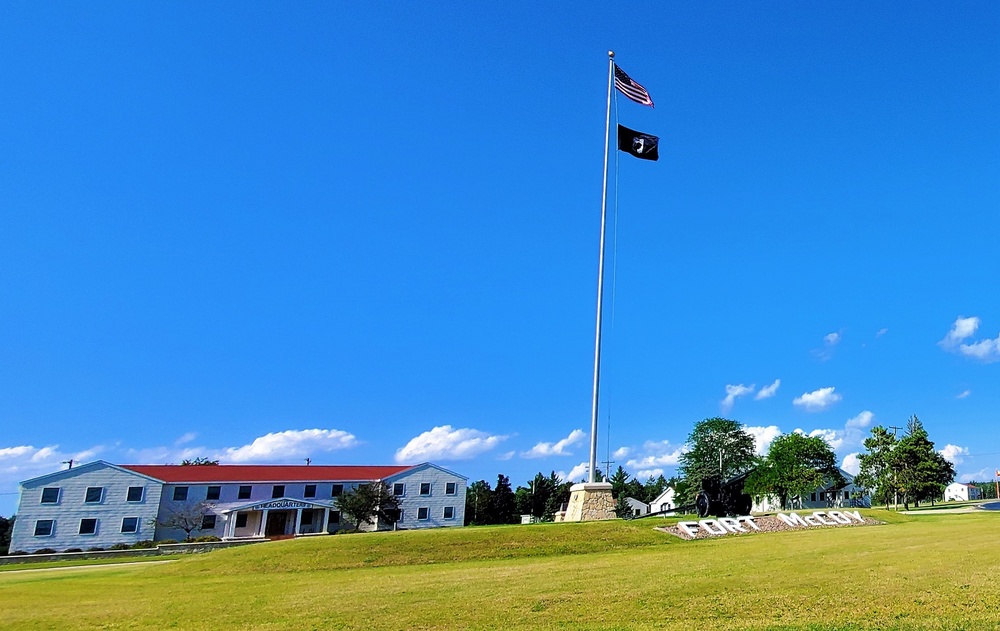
x,y
718,448
368,502
187,517
795,465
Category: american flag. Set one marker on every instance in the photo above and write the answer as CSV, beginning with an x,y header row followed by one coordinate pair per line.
x,y
630,88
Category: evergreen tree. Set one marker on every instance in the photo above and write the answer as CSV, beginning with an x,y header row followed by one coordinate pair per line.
x,y
503,508
921,472
877,473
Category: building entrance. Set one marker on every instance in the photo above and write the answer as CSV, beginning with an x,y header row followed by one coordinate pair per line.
x,y
276,523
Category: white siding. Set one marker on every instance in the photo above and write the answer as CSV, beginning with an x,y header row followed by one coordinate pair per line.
x,y
412,501
71,508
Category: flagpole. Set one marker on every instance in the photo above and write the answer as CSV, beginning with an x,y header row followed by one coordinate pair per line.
x,y
600,278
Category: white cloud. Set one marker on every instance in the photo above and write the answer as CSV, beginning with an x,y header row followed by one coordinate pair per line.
x,y
288,445
954,454
447,443
963,394
861,421
186,438
983,475
768,391
817,399
23,462
762,437
831,339
987,350
881,332
732,392
575,474
542,450
644,474
656,455
851,464
833,437
622,452
506,455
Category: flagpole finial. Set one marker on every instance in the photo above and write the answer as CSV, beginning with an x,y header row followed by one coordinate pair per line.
x,y
611,54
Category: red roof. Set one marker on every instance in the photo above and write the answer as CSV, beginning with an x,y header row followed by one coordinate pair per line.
x,y
173,473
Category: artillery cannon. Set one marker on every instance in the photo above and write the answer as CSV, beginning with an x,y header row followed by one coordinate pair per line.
x,y
723,499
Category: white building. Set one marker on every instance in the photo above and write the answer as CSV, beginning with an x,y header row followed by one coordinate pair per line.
x,y
638,508
825,496
664,502
101,504
959,492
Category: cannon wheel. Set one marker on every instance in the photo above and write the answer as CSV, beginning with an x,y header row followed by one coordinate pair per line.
x,y
702,504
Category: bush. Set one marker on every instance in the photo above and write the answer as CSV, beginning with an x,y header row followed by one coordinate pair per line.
x,y
144,544
206,539
119,546
95,549
73,550
44,551
17,553
166,541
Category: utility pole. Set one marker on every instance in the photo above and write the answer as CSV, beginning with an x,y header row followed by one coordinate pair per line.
x,y
607,468
68,462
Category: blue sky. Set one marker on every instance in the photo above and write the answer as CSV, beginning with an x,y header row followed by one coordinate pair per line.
x,y
368,234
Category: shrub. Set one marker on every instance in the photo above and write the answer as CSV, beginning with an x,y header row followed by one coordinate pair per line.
x,y
166,541
145,543
44,551
119,546
17,553
73,550
95,549
206,539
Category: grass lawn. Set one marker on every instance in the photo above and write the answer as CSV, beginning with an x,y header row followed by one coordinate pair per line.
x,y
915,572
42,565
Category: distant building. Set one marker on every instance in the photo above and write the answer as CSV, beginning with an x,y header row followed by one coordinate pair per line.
x,y
959,492
638,508
824,496
664,502
100,504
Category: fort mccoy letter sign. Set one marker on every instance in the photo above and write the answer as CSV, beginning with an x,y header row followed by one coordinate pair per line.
x,y
771,523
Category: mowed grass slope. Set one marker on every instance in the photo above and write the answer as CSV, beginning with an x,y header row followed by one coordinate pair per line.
x,y
918,572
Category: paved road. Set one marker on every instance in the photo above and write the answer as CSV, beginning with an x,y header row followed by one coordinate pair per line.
x,y
85,567
991,506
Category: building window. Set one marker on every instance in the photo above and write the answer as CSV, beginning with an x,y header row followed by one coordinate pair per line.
x,y
400,515
50,495
310,491
422,513
88,526
335,517
244,492
213,493
94,494
241,520
307,518
278,491
208,522
847,495
337,490
134,494
425,488
180,493
43,528
449,512
812,497
398,489
450,488
130,524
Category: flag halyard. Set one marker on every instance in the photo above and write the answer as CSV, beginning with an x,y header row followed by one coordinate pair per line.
x,y
630,88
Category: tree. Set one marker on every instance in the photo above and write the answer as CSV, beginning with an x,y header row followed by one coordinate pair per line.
x,y
503,509
876,472
618,482
368,502
718,449
477,503
6,528
921,472
622,507
795,465
187,517
199,462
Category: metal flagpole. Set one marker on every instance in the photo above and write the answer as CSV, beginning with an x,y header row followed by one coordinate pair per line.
x,y
600,278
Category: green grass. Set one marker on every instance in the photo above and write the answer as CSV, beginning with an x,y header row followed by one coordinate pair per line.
x,y
915,572
44,565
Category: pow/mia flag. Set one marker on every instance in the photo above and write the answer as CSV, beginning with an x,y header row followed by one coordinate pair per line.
x,y
642,146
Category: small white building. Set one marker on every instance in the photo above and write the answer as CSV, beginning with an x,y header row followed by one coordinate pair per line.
x,y
664,502
637,507
959,492
825,496
99,504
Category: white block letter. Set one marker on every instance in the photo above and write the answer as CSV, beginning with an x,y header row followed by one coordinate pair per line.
x,y
689,527
792,520
732,525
